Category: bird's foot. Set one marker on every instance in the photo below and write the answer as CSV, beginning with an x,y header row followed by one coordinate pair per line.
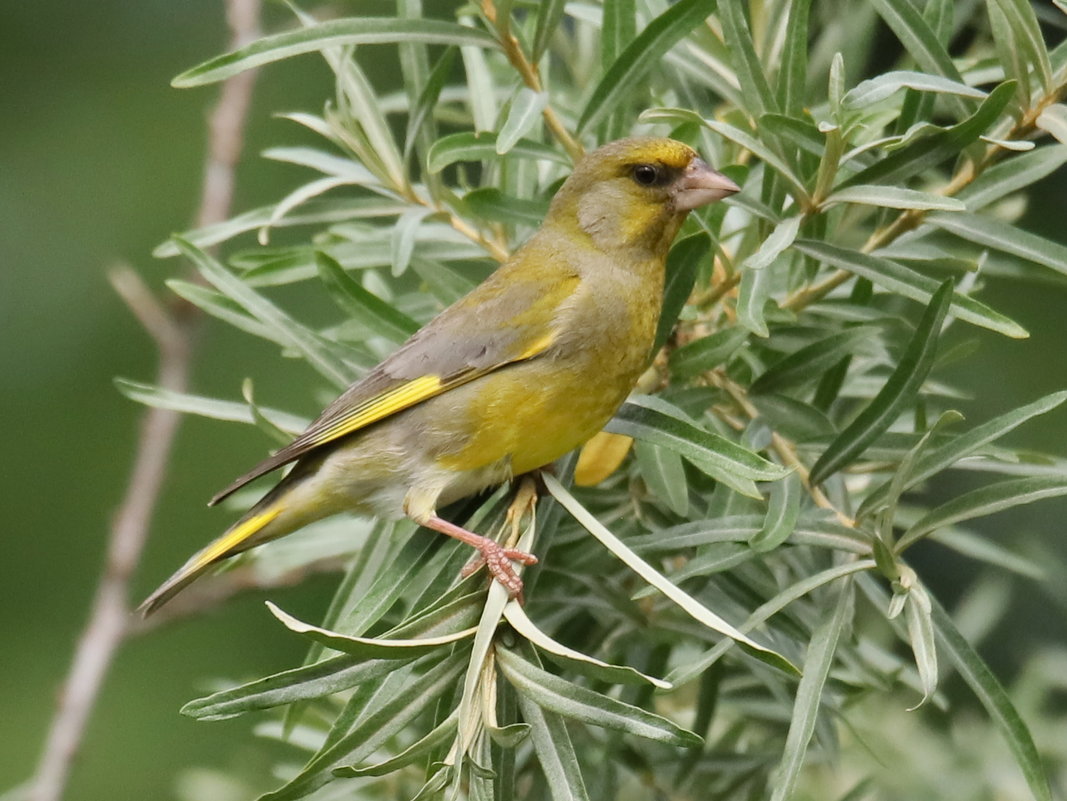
x,y
498,559
490,553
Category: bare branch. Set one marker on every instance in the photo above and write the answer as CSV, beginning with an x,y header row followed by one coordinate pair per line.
x,y
172,330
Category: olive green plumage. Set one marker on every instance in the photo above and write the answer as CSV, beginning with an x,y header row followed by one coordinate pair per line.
x,y
525,368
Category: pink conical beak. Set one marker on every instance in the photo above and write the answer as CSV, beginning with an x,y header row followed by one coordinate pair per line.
x,y
700,185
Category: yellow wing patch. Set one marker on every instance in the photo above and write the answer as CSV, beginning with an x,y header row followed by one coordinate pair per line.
x,y
231,539
383,405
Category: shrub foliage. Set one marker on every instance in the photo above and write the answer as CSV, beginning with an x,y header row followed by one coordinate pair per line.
x,y
725,606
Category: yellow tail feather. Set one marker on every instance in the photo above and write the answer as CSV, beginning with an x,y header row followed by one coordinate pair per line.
x,y
228,544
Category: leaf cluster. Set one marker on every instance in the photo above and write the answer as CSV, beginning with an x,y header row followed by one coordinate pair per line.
x,y
706,616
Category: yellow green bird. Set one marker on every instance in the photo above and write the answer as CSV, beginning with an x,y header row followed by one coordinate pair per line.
x,y
528,366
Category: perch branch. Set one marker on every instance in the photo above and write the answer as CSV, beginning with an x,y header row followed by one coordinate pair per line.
x,y
172,330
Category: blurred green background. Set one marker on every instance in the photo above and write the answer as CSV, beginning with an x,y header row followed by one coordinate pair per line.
x,y
100,160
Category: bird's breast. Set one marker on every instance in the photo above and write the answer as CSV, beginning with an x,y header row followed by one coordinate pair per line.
x,y
532,412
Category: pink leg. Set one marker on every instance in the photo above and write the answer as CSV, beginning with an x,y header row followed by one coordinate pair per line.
x,y
494,555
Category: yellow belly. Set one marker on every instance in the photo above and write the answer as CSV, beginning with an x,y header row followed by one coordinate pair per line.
x,y
529,417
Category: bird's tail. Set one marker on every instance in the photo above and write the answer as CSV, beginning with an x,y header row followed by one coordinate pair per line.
x,y
239,537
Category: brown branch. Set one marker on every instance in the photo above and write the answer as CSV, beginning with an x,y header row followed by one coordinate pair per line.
x,y
172,330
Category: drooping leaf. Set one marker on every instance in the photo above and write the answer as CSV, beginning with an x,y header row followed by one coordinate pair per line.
x,y
897,278
571,700
686,602
940,456
899,390
984,501
735,466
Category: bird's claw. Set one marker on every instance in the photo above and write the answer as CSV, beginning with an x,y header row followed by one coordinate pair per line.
x,y
497,559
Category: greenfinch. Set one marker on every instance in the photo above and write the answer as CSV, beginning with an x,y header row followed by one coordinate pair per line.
x,y
529,365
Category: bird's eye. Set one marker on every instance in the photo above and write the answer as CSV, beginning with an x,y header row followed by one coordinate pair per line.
x,y
646,174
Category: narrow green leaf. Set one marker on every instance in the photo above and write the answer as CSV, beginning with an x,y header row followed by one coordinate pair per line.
x,y
799,421
481,88
359,101
889,83
641,55
374,729
810,362
469,146
985,501
1005,237
1011,55
618,29
493,205
549,14
1012,175
899,390
686,673
261,420
817,663
656,421
706,353
683,263
232,411
755,89
753,295
981,548
218,305
314,349
581,663
379,316
923,45
1053,120
524,114
800,132
332,675
1027,36
893,197
555,752
775,244
440,735
685,602
339,32
445,282
940,145
921,635
369,647
783,508
580,703
314,212
402,241
664,475
422,127
897,278
329,164
792,75
994,698
941,456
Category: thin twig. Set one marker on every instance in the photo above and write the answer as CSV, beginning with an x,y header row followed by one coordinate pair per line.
x,y
171,329
531,76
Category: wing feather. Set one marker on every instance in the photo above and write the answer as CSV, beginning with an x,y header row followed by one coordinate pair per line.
x,y
445,354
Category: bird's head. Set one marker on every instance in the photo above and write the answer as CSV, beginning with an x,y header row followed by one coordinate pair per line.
x,y
635,193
